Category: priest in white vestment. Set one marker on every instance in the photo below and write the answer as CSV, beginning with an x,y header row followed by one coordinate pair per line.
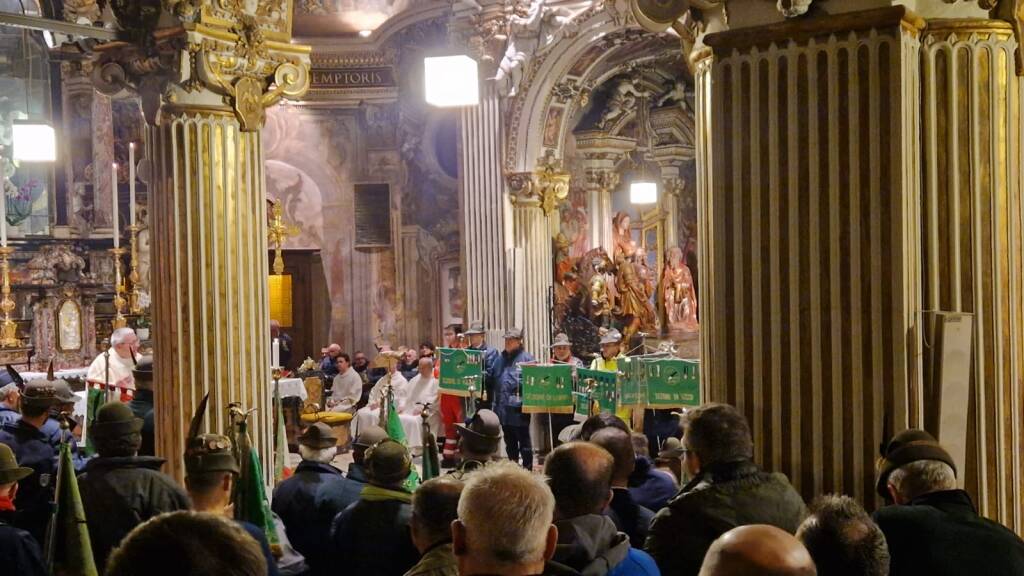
x,y
347,387
409,399
124,347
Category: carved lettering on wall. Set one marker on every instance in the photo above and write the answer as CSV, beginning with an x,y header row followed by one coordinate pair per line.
x,y
380,77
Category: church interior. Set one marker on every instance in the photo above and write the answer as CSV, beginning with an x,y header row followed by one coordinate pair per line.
x,y
819,203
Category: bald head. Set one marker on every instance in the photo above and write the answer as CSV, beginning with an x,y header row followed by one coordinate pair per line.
x,y
620,446
757,550
580,476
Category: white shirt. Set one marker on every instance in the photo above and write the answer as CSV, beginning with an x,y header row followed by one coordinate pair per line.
x,y
399,386
120,371
346,391
421,391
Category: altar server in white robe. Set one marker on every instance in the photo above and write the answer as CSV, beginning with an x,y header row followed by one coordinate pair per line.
x,y
369,415
347,387
422,390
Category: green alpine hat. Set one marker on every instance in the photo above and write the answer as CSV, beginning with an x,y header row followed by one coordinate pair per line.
x,y
114,419
210,453
388,462
41,393
906,447
9,469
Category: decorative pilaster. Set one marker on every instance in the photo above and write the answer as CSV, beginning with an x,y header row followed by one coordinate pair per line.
x,y
973,237
205,80
808,237
532,275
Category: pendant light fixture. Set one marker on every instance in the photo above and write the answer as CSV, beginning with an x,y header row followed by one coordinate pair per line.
x,y
451,81
32,140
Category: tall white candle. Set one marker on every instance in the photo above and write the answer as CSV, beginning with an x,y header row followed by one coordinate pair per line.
x,y
3,221
131,181
276,354
113,199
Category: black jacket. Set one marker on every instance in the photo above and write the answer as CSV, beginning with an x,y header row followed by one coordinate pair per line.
x,y
307,504
372,537
630,517
142,407
19,551
716,501
120,493
941,534
33,449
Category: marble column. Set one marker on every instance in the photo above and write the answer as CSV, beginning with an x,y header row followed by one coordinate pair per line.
x,y
809,243
532,266
670,160
601,156
209,218
486,213
972,239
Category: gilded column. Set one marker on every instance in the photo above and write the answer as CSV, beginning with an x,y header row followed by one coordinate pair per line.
x,y
809,248
973,251
204,83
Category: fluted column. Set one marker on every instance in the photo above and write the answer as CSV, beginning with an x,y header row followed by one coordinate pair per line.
x,y
809,193
486,238
205,108
973,237
532,273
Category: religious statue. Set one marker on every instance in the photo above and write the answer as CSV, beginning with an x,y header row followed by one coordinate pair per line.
x,y
633,304
621,101
602,298
678,293
621,234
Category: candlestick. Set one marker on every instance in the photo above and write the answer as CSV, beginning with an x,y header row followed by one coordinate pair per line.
x,y
113,197
3,220
135,297
9,329
119,289
131,182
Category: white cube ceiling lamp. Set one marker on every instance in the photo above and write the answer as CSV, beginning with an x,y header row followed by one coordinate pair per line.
x,y
451,81
34,142
643,192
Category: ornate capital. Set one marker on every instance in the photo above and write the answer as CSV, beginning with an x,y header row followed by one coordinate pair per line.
x,y
1013,12
229,54
547,186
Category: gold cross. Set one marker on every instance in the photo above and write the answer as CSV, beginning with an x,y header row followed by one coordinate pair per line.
x,y
277,233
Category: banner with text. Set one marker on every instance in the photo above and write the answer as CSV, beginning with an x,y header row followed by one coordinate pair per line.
x,y
461,371
673,383
547,388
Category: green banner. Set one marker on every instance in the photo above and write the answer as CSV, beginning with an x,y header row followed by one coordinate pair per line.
x,y
632,383
601,386
673,383
461,371
547,388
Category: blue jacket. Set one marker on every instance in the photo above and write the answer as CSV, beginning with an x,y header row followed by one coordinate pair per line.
x,y
8,415
19,553
51,428
649,487
261,539
355,479
307,504
489,355
508,393
590,544
32,448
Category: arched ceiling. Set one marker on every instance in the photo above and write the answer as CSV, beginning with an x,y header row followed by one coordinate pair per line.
x,y
346,18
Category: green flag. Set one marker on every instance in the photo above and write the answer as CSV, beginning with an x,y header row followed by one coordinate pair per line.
x,y
281,470
547,388
250,496
431,462
393,426
69,548
93,400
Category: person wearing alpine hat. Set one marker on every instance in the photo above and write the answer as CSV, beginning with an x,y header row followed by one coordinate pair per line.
x,y
33,450
308,501
508,398
933,528
119,488
20,553
478,442
561,353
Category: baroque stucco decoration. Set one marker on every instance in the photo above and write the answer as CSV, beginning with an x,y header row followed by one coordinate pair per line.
x,y
210,53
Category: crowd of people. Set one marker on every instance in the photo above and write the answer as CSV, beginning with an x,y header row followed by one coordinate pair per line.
x,y
601,502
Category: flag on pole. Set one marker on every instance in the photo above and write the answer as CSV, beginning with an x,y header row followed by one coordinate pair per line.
x,y
250,496
69,550
281,469
393,426
431,460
